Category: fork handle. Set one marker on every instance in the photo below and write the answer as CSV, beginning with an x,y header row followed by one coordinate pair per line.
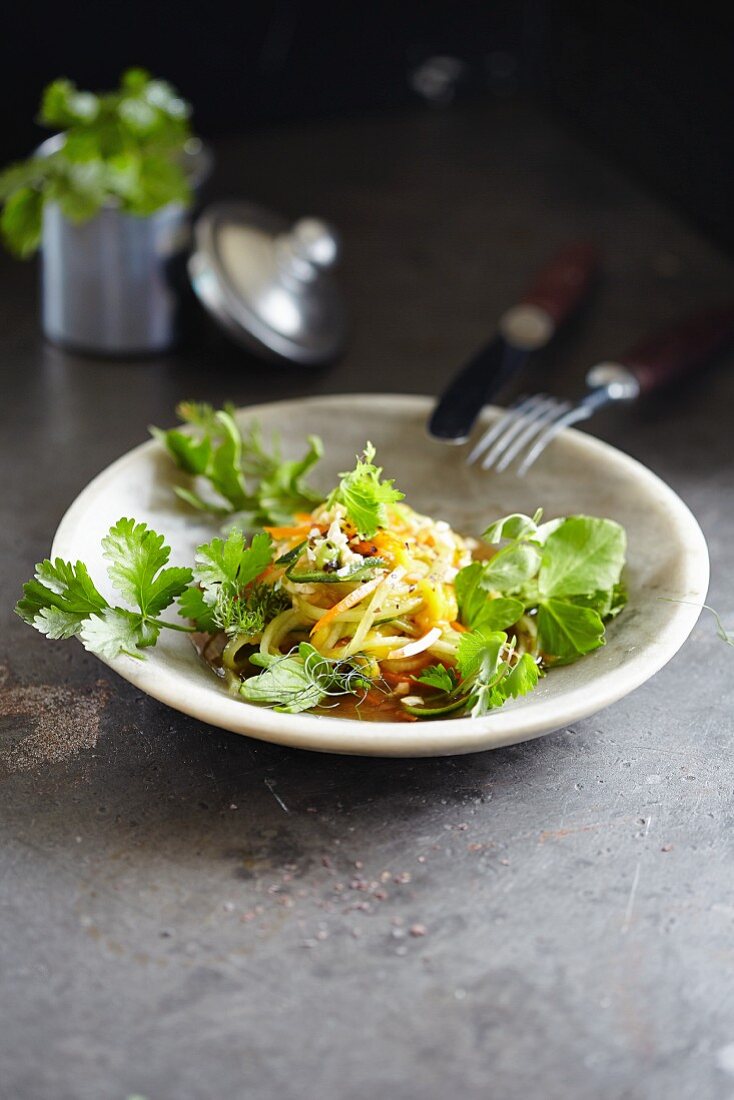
x,y
681,350
564,282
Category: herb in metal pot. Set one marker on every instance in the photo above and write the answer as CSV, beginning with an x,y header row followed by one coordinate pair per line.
x,y
122,147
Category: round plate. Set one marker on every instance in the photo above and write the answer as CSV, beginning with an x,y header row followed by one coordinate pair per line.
x,y
667,560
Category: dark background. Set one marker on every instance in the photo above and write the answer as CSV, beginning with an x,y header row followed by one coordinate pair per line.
x,y
648,84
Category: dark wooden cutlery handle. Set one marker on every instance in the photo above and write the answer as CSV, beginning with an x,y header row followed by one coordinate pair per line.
x,y
560,287
682,349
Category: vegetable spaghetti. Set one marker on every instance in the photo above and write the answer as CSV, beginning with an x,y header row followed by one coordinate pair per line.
x,y
352,601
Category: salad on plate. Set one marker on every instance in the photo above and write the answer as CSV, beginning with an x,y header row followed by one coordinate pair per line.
x,y
349,602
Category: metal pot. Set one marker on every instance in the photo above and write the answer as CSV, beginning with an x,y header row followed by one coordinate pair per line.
x,y
108,286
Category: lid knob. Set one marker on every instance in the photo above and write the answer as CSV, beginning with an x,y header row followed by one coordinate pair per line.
x,y
310,246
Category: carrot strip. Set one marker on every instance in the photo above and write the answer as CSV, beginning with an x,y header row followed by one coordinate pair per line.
x,y
289,532
374,697
267,572
456,625
350,600
395,677
366,549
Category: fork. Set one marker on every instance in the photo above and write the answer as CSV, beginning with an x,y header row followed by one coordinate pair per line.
x,y
532,423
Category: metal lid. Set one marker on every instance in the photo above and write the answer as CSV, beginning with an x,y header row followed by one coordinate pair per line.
x,y
269,284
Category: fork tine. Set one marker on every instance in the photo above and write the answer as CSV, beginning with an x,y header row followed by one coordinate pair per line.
x,y
571,416
499,427
511,420
524,429
548,415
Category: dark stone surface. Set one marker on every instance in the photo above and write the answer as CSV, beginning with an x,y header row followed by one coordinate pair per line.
x,y
187,914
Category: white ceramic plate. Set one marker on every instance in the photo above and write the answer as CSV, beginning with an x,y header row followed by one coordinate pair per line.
x,y
667,559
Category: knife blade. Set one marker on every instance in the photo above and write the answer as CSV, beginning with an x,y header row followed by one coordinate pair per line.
x,y
556,294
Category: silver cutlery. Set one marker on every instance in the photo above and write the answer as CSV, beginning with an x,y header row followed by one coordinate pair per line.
x,y
557,293
529,425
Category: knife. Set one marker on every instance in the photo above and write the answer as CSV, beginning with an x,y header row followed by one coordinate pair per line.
x,y
557,293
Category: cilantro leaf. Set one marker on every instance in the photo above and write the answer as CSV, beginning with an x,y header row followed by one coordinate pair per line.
x,y
439,677
567,631
21,221
509,683
478,654
487,671
583,555
138,555
59,598
228,599
224,467
282,491
190,453
117,630
521,678
57,624
365,495
62,105
230,564
62,601
191,606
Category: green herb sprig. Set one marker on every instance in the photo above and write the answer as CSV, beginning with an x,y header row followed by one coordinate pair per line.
x,y
302,679
250,483
123,147
228,596
62,601
565,573
365,495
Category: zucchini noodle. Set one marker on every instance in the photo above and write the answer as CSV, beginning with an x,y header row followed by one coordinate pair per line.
x,y
401,601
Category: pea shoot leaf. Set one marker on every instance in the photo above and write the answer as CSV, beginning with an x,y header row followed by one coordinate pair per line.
x,y
513,568
567,631
301,679
477,609
287,685
582,556
514,526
